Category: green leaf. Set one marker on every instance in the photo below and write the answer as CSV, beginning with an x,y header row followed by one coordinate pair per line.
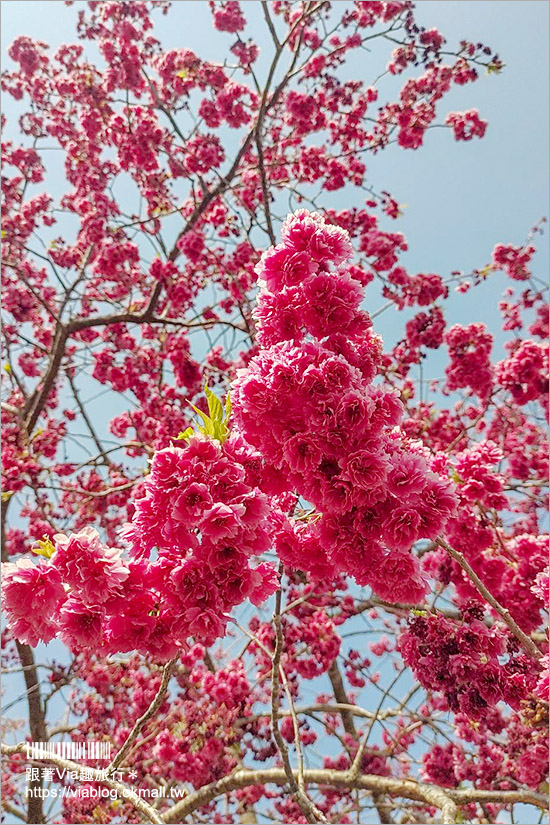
x,y
208,428
6,495
185,434
214,424
215,407
45,548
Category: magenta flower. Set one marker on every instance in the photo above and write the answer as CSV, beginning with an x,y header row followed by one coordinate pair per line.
x,y
222,521
191,503
32,595
94,571
80,627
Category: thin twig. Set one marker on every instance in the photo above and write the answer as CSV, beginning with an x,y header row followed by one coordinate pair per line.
x,y
144,718
527,643
310,811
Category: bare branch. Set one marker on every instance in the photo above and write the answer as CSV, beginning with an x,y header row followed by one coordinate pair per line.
x,y
310,811
527,643
144,718
446,800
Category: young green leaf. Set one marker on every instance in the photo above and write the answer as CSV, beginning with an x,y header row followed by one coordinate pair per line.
x,y
185,434
44,547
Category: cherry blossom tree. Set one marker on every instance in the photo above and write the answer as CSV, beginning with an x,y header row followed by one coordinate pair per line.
x,y
287,584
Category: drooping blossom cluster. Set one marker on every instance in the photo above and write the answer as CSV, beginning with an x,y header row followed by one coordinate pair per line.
x,y
308,404
525,372
204,520
515,260
31,597
463,662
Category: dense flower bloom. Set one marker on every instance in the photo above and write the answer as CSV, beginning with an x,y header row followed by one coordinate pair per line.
x,y
525,372
32,595
307,404
204,515
228,16
199,510
92,570
470,351
397,577
462,661
80,626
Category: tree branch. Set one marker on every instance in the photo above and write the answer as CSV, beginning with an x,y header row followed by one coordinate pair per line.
x,y
144,718
37,726
341,697
527,643
446,800
37,716
297,786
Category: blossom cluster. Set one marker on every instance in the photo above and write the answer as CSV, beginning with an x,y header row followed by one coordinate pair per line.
x,y
307,402
522,757
466,125
514,260
525,372
463,662
197,523
470,353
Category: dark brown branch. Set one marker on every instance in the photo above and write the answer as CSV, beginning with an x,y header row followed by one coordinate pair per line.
x,y
37,726
342,698
37,400
37,717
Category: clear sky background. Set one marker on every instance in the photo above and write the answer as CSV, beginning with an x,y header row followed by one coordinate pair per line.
x,y
461,198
